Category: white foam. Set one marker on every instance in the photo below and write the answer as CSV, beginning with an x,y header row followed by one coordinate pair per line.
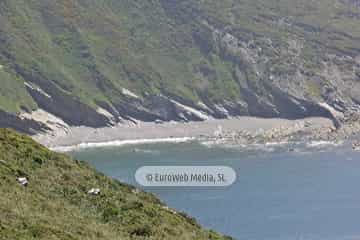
x,y
146,151
240,146
276,143
118,143
215,143
323,143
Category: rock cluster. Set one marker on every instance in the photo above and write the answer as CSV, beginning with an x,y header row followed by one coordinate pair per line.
x,y
299,132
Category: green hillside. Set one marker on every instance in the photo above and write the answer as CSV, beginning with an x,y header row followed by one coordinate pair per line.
x,y
267,58
55,204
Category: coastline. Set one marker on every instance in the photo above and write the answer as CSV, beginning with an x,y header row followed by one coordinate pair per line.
x,y
242,130
119,143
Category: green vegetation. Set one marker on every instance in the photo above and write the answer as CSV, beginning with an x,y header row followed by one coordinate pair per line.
x,y
12,93
314,89
55,204
90,50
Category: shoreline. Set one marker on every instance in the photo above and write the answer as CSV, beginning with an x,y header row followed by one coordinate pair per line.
x,y
118,143
242,130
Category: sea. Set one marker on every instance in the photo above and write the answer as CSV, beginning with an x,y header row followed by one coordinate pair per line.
x,y
285,191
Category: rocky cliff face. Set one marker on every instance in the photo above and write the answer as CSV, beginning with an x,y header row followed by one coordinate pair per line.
x,y
96,64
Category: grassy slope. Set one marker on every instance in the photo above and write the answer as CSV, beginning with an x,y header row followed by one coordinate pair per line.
x,y
55,204
91,49
12,93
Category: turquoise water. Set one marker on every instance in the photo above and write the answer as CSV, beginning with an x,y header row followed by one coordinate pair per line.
x,y
312,193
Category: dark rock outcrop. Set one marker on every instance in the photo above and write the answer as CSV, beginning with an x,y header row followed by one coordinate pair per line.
x,y
9,120
153,108
72,111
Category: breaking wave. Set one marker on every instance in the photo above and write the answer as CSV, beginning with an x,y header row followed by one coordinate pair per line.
x,y
119,143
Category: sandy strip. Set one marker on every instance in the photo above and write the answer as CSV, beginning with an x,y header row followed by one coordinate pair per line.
x,y
167,132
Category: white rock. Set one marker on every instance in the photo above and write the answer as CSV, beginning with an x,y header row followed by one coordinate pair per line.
x,y
332,110
222,109
169,209
197,113
104,112
31,86
129,93
53,122
23,181
94,191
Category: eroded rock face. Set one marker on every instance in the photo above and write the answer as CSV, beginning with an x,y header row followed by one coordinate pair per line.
x,y
275,80
70,110
185,60
155,108
8,120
